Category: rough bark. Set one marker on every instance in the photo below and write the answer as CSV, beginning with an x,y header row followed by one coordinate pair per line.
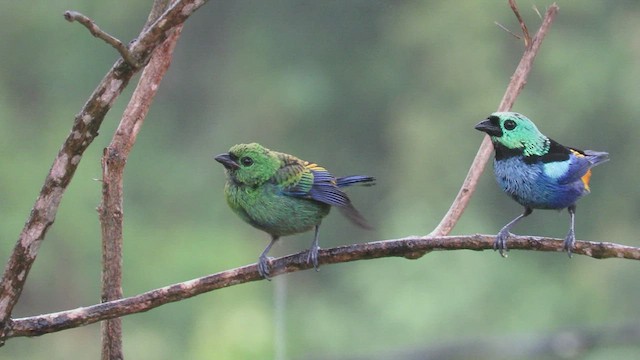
x,y
412,247
114,160
85,128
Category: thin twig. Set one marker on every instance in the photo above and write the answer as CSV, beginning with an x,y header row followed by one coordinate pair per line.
x,y
72,16
523,26
508,31
411,247
518,80
85,128
535,8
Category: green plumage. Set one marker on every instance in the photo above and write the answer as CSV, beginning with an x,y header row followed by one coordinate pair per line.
x,y
267,209
283,195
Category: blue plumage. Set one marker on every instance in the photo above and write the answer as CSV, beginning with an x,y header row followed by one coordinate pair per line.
x,y
536,171
354,179
540,185
322,186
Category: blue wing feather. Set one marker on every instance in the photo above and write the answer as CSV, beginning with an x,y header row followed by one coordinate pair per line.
x,y
580,162
354,180
577,167
325,188
318,184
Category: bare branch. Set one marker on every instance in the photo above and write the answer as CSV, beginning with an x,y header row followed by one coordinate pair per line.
x,y
523,26
113,163
158,7
72,16
535,8
518,80
412,247
84,130
507,30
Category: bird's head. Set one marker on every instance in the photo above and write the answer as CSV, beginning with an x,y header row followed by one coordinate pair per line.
x,y
515,132
249,164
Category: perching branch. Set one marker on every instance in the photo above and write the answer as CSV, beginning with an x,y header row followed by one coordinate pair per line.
x,y
84,130
518,80
113,163
411,247
72,16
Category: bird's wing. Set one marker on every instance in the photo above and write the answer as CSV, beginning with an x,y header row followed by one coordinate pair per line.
x,y
565,164
312,181
579,166
596,157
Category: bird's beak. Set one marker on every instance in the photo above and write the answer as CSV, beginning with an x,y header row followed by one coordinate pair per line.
x,y
489,127
226,160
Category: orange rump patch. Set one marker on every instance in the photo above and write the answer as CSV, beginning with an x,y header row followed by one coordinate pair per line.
x,y
585,179
587,176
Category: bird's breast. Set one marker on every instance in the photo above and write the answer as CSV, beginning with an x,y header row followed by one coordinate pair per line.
x,y
537,185
268,209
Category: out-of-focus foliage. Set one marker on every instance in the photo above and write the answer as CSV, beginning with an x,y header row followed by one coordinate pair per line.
x,y
385,88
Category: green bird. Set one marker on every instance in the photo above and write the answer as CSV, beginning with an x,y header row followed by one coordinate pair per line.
x,y
283,195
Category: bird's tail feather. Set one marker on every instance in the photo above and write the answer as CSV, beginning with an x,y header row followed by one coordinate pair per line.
x,y
596,157
348,210
355,180
351,213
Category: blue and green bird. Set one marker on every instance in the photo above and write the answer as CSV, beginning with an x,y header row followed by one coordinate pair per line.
x,y
537,172
283,195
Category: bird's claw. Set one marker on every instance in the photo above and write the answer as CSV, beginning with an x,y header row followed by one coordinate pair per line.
x,y
263,267
569,241
312,257
501,242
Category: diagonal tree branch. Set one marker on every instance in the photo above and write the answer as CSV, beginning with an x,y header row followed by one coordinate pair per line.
x,y
412,247
113,164
84,130
518,80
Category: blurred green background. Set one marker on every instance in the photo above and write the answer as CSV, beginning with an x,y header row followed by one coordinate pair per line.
x,y
384,88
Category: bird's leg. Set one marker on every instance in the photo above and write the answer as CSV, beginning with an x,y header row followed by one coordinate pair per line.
x,y
501,239
263,260
571,236
313,250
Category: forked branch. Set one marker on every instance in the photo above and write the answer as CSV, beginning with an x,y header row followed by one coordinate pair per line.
x,y
114,160
84,130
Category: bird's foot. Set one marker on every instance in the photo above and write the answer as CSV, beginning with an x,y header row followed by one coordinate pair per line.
x,y
263,266
569,241
501,242
312,257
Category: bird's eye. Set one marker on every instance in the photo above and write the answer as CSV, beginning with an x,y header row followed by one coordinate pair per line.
x,y
246,161
509,125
